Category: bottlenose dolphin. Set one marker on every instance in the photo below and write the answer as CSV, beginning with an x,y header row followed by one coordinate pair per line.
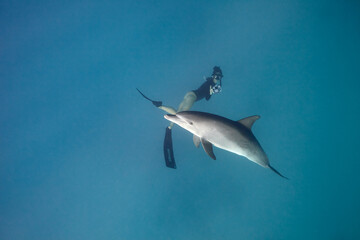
x,y
232,136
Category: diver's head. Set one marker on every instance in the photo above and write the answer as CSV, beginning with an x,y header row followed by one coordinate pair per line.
x,y
217,74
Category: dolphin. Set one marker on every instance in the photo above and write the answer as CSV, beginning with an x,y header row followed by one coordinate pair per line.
x,y
232,136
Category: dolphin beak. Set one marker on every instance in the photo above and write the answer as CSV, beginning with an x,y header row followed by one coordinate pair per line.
x,y
174,118
169,117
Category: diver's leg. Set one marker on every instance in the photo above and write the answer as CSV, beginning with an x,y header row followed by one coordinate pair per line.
x,y
167,109
186,104
188,101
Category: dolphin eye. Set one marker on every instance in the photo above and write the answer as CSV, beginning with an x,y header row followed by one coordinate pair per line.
x,y
191,123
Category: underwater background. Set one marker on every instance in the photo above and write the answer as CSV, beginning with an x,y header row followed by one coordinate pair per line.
x,y
81,152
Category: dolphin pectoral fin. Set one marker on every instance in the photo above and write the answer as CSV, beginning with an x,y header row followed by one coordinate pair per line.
x,y
249,121
208,148
277,172
196,141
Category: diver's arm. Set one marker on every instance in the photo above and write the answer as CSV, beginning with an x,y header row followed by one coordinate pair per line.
x,y
211,91
208,97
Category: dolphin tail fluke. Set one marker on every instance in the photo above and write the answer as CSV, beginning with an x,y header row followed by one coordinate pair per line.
x,y
277,172
156,103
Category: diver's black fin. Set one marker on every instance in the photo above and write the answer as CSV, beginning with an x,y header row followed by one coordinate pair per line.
x,y
156,103
168,150
277,172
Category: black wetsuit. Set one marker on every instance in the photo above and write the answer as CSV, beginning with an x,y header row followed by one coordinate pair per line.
x,y
204,90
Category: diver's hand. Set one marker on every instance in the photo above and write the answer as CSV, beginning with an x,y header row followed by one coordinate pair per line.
x,y
211,91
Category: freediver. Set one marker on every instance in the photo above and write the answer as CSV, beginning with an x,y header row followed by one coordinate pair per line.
x,y
211,86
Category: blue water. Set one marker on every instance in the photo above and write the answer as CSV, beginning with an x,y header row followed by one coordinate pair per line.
x,y
81,151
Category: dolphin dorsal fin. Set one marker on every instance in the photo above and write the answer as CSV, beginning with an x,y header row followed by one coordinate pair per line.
x,y
249,121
